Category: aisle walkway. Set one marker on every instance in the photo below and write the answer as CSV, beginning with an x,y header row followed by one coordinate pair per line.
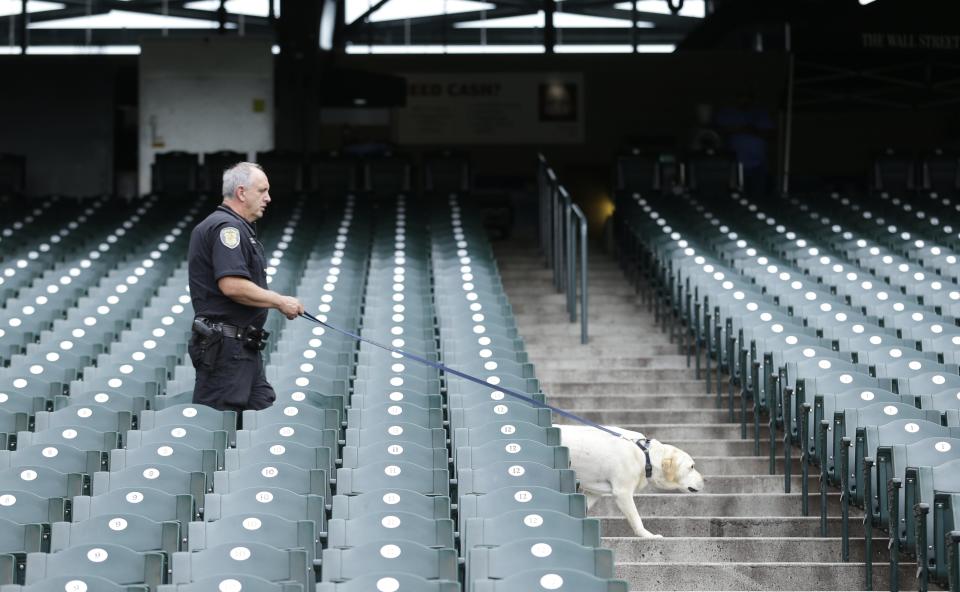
x,y
742,532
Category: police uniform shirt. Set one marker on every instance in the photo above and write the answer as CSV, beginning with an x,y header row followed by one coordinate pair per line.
x,y
225,244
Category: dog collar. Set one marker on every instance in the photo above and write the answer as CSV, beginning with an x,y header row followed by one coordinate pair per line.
x,y
644,445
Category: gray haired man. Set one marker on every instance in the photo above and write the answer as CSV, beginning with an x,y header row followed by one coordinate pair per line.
x,y
228,288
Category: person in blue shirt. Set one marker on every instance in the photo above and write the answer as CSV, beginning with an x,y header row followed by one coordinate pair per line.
x,y
747,127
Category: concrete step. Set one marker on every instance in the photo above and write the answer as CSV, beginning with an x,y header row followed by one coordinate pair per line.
x,y
523,259
757,576
742,465
627,375
747,484
572,340
532,256
698,448
736,549
603,281
627,313
659,387
623,310
670,432
660,402
613,362
532,291
547,349
559,317
626,333
529,275
730,526
714,505
598,300
647,416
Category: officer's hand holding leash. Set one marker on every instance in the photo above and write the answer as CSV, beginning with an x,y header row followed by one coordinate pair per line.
x,y
246,292
290,307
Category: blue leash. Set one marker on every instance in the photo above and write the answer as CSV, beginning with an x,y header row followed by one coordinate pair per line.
x,y
644,446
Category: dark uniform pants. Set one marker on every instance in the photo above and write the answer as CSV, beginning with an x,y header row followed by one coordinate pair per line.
x,y
229,375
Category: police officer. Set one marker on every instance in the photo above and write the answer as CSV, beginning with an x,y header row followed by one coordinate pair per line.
x,y
228,287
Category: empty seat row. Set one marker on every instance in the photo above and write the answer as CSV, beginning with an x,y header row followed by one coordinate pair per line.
x,y
350,480
522,525
834,375
330,174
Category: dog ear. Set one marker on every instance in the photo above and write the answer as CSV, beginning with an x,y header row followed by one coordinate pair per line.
x,y
669,468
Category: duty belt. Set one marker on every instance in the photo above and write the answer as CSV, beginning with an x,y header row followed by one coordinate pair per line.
x,y
252,337
231,331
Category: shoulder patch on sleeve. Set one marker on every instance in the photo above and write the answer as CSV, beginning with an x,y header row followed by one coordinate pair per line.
x,y
230,237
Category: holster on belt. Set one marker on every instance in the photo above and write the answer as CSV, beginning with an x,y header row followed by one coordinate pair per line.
x,y
207,338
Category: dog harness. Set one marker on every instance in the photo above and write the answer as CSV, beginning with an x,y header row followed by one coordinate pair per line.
x,y
644,445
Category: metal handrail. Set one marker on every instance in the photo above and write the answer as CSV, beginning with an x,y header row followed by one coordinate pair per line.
x,y
563,236
581,220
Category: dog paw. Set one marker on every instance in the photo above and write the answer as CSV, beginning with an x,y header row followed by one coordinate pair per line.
x,y
650,535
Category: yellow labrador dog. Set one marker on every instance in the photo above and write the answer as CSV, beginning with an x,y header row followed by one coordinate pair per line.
x,y
607,465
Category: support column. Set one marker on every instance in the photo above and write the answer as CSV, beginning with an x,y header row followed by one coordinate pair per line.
x,y
222,17
339,27
23,27
549,31
788,117
298,76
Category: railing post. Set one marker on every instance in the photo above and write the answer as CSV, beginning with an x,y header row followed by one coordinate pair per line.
x,y
564,205
868,522
571,261
544,205
559,236
584,293
558,239
844,471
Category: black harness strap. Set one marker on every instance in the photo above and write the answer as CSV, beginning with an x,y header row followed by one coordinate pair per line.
x,y
645,447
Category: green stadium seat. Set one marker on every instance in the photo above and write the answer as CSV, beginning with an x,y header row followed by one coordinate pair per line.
x,y
390,526
279,502
551,579
261,528
537,553
389,581
243,558
401,475
347,507
134,532
75,584
391,558
233,582
111,562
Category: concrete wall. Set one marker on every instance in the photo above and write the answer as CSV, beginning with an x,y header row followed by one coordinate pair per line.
x,y
204,95
626,97
59,113
63,113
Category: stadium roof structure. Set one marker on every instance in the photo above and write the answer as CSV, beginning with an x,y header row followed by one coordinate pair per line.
x,y
497,26
363,26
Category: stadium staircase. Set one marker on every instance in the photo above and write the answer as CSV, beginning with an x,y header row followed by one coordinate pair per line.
x,y
743,532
